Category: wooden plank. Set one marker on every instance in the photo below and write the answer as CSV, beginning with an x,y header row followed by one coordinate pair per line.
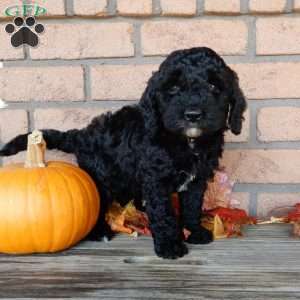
x,y
264,264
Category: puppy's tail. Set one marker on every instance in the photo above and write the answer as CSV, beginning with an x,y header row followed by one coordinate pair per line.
x,y
55,139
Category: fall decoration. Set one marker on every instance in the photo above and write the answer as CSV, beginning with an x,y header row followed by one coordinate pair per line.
x,y
44,207
226,222
127,219
219,192
219,216
293,217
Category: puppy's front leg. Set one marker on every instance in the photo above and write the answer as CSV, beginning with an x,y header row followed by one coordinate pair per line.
x,y
191,208
166,234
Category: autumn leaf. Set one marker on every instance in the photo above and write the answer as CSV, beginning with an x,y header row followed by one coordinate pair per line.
x,y
218,217
127,219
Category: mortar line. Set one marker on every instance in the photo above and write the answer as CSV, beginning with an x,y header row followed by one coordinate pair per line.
x,y
253,203
69,8
154,18
277,102
244,4
274,145
253,124
156,7
289,6
112,7
26,51
251,37
200,8
65,7
140,60
87,82
268,187
30,119
101,104
137,40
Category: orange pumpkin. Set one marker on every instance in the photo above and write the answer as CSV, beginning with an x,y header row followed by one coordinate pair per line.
x,y
44,208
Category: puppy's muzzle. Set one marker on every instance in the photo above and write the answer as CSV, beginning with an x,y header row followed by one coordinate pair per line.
x,y
193,117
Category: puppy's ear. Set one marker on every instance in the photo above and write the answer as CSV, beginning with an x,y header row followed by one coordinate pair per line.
x,y
238,104
149,104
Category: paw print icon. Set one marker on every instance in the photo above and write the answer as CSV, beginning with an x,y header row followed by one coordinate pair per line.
x,y
24,31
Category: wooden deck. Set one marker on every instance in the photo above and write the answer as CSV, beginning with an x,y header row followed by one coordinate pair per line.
x,y
263,265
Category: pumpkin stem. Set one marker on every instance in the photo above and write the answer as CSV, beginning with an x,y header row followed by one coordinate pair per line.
x,y
36,148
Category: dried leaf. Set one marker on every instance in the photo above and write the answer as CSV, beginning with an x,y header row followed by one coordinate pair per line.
x,y
115,217
127,219
232,215
227,222
215,225
222,220
294,217
219,192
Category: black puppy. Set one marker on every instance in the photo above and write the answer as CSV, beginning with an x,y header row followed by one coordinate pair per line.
x,y
170,142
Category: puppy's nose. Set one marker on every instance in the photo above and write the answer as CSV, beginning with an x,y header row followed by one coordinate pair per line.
x,y
192,115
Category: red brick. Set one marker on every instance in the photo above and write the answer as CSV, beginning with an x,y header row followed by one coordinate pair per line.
x,y
178,7
263,166
134,7
297,5
269,80
225,36
54,7
222,7
41,84
91,7
243,199
85,40
7,51
12,123
64,119
120,82
267,6
271,204
279,124
278,36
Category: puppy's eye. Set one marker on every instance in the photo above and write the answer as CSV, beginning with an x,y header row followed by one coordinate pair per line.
x,y
211,87
174,90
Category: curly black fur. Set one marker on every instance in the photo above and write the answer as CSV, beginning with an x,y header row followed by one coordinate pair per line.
x,y
172,140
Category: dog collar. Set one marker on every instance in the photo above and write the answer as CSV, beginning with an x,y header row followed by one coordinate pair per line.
x,y
192,144
190,178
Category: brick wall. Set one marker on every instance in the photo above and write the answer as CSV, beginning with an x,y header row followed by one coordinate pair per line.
x,y
97,55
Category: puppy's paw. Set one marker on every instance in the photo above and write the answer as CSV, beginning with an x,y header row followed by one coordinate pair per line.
x,y
104,234
170,250
200,236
